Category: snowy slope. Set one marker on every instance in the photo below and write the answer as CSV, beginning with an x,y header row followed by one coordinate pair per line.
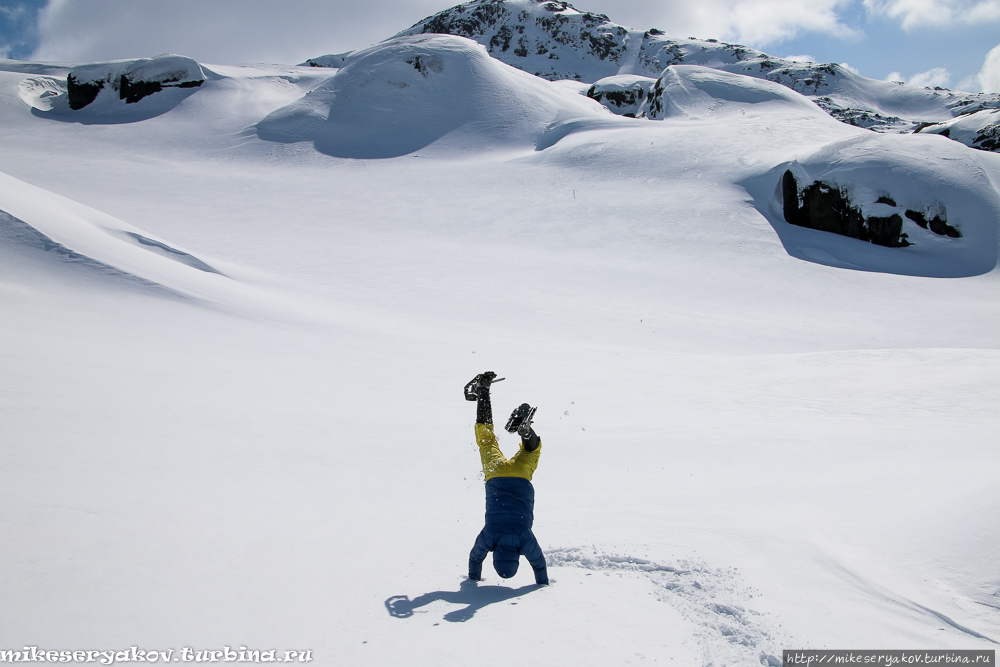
x,y
554,40
749,443
405,94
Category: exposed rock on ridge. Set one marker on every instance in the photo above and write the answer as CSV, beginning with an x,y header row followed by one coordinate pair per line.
x,y
555,40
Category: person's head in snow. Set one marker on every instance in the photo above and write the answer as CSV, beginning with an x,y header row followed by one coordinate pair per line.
x,y
510,498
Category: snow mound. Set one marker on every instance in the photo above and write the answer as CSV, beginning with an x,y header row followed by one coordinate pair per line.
x,y
980,129
66,231
690,91
119,91
407,93
935,191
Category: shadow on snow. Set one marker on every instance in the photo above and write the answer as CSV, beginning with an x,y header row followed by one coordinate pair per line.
x,y
474,596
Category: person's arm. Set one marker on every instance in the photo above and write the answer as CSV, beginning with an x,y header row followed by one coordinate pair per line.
x,y
477,556
533,552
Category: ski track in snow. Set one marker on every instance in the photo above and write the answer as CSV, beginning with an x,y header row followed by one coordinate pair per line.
x,y
716,601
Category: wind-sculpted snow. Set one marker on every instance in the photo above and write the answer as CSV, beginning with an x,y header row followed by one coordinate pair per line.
x,y
334,60
715,601
687,91
408,93
120,91
979,129
922,193
17,234
71,232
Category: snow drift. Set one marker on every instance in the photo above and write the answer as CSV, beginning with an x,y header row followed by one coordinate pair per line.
x,y
979,129
689,91
99,244
941,204
119,91
405,94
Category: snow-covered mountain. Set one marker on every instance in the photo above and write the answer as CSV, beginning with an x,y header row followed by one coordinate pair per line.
x,y
554,40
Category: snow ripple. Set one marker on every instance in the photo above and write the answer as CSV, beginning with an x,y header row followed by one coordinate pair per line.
x,y
713,600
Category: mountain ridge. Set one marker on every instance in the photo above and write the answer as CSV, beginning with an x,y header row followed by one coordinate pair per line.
x,y
554,40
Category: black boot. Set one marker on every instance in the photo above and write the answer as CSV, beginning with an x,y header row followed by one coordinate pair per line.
x,y
479,385
520,419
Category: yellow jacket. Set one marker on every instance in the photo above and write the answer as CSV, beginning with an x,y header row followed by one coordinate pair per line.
x,y
495,464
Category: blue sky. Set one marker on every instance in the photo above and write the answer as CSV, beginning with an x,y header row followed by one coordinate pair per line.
x,y
19,27
924,41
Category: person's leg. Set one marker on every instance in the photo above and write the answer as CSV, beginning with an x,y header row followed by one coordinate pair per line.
x,y
478,389
530,440
484,409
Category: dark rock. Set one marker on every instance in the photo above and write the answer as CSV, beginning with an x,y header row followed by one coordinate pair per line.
x,y
828,209
887,231
917,217
885,199
619,98
133,91
988,138
424,64
81,94
502,39
823,208
939,224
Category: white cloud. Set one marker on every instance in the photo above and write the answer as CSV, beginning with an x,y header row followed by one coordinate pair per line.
x,y
852,69
14,12
969,84
938,76
801,59
989,75
221,31
936,13
758,23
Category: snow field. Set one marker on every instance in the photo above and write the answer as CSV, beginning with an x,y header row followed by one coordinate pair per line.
x,y
277,463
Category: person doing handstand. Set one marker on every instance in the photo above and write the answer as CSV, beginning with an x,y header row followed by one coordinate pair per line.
x,y
510,497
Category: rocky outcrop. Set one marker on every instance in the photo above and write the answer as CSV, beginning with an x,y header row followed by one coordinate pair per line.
x,y
82,93
827,208
131,79
553,40
622,95
334,60
938,224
